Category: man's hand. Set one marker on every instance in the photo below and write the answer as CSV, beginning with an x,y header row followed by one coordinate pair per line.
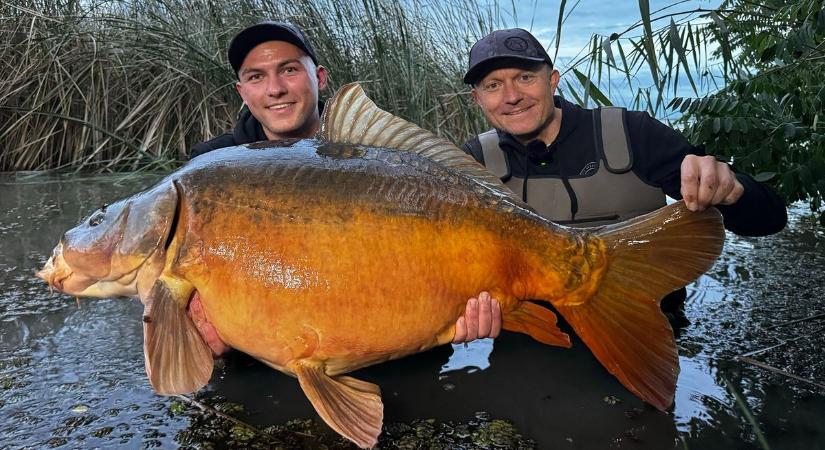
x,y
481,319
707,182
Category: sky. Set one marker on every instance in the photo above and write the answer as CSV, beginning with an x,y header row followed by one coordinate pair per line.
x,y
587,17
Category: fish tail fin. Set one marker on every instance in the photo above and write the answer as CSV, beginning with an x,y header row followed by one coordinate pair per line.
x,y
622,324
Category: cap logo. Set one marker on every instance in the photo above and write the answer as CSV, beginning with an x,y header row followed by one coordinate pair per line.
x,y
516,44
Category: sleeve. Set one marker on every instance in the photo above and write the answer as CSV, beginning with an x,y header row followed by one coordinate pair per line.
x,y
658,151
473,148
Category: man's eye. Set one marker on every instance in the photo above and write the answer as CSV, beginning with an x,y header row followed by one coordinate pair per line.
x,y
491,86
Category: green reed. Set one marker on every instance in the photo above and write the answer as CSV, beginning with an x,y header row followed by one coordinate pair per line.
x,y
128,85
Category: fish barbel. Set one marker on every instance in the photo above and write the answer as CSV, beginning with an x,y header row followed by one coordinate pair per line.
x,y
325,255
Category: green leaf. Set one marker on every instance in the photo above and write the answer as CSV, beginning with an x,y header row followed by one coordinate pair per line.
x,y
650,50
685,105
764,176
728,124
719,22
558,28
768,53
674,104
743,124
574,93
594,90
820,23
790,130
717,125
676,44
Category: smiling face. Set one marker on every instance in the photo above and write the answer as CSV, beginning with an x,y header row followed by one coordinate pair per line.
x,y
520,101
280,83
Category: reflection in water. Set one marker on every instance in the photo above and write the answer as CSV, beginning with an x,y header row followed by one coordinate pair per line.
x,y
73,374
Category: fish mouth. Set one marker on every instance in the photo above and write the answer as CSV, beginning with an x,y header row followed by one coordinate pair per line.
x,y
55,278
56,272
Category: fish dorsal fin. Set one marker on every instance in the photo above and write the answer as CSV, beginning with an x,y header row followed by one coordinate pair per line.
x,y
350,117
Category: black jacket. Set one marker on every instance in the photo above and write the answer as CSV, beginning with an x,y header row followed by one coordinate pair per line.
x,y
247,130
657,150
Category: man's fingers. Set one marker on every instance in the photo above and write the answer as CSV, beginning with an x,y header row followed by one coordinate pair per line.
x,y
471,319
708,182
726,183
690,181
734,194
496,319
485,315
460,331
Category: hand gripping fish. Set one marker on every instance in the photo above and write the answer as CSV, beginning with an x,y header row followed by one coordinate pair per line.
x,y
325,255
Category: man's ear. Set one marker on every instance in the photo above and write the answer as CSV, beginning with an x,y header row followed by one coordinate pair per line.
x,y
555,77
321,73
475,96
238,87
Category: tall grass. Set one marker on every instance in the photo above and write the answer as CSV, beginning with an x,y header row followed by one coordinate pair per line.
x,y
126,85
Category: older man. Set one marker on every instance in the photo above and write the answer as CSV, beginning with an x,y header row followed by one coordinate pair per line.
x,y
583,167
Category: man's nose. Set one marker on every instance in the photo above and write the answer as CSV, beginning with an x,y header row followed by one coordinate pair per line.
x,y
275,86
511,93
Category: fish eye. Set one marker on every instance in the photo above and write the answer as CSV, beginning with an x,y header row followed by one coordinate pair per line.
x,y
96,219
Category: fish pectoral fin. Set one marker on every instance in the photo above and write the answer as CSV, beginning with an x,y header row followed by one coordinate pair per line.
x,y
178,361
351,407
537,322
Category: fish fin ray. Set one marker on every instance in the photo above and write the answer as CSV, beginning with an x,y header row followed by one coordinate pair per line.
x,y
622,324
350,117
537,322
178,361
351,407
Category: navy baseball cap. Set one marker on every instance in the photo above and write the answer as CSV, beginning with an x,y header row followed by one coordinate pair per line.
x,y
504,48
259,33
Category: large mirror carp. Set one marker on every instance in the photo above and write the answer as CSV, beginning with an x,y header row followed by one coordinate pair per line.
x,y
325,255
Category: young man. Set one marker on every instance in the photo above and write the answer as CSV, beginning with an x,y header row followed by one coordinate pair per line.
x,y
583,167
278,79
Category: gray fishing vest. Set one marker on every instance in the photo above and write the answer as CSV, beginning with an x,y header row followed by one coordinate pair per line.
x,y
612,194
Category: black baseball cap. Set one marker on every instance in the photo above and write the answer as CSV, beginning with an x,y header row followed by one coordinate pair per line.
x,y
250,37
503,48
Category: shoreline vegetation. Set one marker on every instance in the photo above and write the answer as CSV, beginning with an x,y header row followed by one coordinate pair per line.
x,y
125,86
120,86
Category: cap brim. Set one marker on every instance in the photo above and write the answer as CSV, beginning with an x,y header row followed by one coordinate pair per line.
x,y
487,65
251,37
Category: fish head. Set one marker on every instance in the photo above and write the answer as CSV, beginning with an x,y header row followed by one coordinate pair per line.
x,y
105,253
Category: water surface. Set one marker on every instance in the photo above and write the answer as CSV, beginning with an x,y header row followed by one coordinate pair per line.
x,y
72,376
